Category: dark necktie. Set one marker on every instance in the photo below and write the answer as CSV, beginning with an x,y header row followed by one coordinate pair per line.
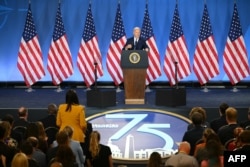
x,y
136,42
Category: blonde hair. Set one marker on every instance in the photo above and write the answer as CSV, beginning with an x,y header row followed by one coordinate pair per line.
x,y
94,147
20,160
231,114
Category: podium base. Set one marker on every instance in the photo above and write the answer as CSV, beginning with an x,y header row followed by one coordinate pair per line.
x,y
101,98
171,97
134,101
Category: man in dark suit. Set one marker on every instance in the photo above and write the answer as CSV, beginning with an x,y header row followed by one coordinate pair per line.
x,y
50,120
217,123
136,42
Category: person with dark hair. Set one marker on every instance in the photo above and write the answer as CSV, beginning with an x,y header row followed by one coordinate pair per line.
x,y
194,134
221,121
246,124
62,138
37,154
65,156
202,111
22,118
244,140
6,152
154,160
13,134
226,132
27,149
50,119
100,155
72,114
214,156
75,147
33,130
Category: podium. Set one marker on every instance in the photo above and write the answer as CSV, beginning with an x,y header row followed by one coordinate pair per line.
x,y
134,64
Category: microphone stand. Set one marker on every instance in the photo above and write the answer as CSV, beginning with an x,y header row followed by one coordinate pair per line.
x,y
176,71
95,63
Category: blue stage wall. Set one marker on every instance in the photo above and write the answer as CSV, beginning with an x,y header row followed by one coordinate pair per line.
x,y
13,15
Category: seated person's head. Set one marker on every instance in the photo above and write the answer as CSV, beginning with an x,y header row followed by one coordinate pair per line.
x,y
231,114
22,112
184,147
62,138
27,148
244,137
197,118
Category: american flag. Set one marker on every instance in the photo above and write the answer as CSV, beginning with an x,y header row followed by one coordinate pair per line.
x,y
89,52
117,42
176,56
206,64
60,64
30,60
154,68
235,55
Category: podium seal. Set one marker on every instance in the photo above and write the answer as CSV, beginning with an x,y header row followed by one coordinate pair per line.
x,y
134,57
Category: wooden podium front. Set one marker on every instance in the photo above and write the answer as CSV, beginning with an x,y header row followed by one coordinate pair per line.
x,y
134,65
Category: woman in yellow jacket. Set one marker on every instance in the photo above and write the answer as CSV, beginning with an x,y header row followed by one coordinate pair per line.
x,y
72,114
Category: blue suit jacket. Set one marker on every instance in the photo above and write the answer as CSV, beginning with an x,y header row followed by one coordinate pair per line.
x,y
141,45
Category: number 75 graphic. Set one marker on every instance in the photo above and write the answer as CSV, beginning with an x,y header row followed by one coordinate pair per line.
x,y
146,128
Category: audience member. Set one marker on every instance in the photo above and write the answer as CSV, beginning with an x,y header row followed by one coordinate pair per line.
x,y
34,130
27,149
244,140
247,122
76,147
215,158
37,155
13,134
182,158
100,155
62,138
22,117
202,153
155,160
65,156
6,152
226,132
234,143
20,160
85,145
202,111
221,121
194,134
206,133
50,119
72,114
12,143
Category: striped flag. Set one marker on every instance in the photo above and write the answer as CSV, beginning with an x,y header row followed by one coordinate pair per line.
x,y
206,63
235,55
30,60
176,56
89,52
117,42
60,64
154,68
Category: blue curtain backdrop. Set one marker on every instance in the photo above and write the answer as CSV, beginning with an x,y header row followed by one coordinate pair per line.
x,y
13,15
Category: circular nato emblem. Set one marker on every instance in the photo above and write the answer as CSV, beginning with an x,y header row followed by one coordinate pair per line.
x,y
136,133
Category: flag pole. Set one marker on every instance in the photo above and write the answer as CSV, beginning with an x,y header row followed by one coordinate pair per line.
x,y
147,87
29,87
